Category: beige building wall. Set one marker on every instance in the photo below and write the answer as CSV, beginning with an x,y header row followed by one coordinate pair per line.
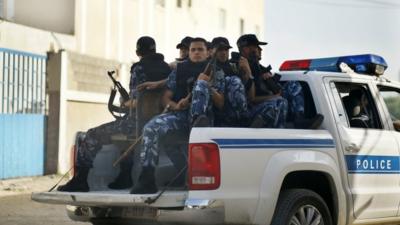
x,y
107,28
28,39
52,15
110,28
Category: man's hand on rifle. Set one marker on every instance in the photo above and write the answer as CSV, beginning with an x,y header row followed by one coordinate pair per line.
x,y
150,85
183,104
131,103
267,75
244,66
203,76
279,93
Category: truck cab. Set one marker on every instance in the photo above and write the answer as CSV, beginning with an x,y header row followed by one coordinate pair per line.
x,y
345,172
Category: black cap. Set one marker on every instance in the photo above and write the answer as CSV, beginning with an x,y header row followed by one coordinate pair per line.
x,y
145,43
220,42
248,40
185,42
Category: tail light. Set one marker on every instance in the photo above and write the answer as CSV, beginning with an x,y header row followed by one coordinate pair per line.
x,y
204,167
73,159
295,65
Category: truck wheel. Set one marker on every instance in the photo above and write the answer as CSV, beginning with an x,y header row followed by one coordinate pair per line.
x,y
301,207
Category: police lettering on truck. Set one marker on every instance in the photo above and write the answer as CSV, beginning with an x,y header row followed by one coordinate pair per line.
x,y
372,164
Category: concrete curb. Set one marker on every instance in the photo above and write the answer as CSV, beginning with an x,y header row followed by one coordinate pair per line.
x,y
27,185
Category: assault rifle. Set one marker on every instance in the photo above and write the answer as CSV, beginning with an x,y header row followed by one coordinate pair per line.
x,y
209,70
124,95
268,85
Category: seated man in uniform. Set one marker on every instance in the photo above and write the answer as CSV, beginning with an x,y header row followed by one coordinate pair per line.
x,y
269,98
181,112
356,108
150,72
183,47
237,73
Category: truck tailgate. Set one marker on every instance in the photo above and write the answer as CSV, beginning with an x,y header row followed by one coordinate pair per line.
x,y
168,199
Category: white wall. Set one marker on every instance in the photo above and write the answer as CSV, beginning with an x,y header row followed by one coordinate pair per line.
x,y
110,28
28,39
51,15
298,29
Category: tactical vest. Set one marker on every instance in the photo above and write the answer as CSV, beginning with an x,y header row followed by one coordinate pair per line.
x,y
263,87
154,68
186,75
230,69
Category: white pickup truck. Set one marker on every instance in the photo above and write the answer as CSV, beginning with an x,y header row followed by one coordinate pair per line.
x,y
345,172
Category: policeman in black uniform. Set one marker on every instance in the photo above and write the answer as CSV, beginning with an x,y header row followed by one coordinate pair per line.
x,y
149,73
270,99
183,47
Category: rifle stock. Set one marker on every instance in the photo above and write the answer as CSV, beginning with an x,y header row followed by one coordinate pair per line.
x,y
208,69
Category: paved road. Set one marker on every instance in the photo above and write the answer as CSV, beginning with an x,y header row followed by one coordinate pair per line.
x,y
20,210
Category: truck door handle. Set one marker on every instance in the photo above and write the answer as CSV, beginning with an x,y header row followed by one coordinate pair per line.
x,y
352,148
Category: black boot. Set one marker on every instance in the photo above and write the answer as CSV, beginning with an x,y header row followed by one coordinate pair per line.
x,y
303,123
78,183
124,178
258,122
146,183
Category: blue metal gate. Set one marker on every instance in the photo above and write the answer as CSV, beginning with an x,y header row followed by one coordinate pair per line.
x,y
22,113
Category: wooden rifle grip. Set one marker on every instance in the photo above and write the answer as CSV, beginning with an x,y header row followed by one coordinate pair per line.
x,y
207,70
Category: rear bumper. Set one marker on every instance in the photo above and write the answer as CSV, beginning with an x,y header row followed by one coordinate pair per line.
x,y
196,211
172,206
202,211
112,198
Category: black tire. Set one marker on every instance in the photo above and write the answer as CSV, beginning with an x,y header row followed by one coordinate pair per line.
x,y
293,201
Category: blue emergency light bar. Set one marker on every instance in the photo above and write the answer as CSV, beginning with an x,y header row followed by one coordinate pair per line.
x,y
364,64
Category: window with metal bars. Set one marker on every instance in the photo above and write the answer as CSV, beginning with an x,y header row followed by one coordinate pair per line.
x,y
22,82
